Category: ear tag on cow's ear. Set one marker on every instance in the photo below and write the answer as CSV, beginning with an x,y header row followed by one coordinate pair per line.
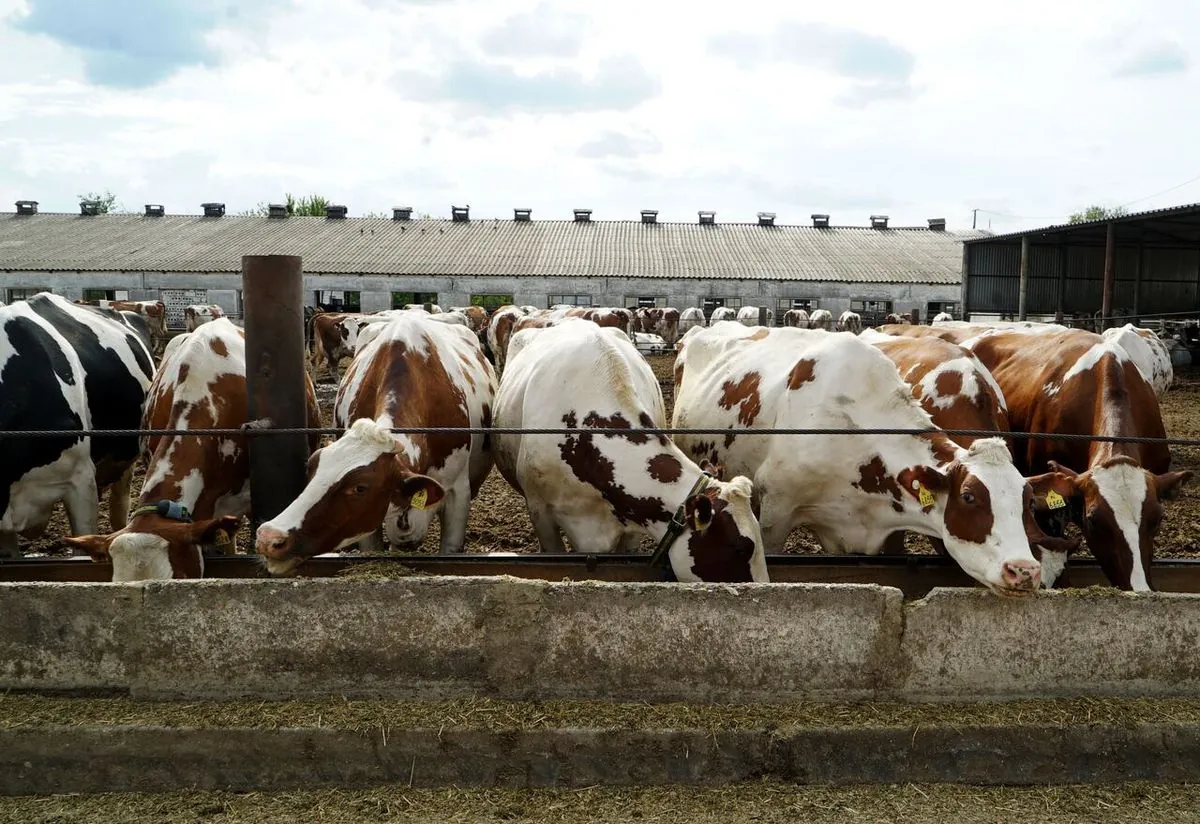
x,y
1054,500
924,495
697,522
418,500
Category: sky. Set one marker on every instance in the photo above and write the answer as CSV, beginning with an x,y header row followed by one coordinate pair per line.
x,y
1026,111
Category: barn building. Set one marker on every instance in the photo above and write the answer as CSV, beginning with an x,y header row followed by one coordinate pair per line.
x,y
371,264
1136,267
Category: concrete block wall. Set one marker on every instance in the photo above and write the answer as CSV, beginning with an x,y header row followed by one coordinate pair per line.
x,y
441,637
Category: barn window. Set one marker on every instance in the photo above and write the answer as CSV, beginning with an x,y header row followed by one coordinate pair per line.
x,y
807,304
710,304
15,295
880,306
105,294
646,302
333,300
568,300
402,299
491,302
950,307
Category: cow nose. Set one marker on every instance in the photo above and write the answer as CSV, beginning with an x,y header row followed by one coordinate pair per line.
x,y
272,542
1021,574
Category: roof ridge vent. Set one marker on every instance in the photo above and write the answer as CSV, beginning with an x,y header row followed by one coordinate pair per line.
x,y
820,221
649,216
937,224
155,210
707,218
27,207
879,221
583,215
213,209
522,215
89,208
402,213
766,218
336,211
460,213
277,210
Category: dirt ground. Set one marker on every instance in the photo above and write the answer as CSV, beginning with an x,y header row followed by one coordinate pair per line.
x,y
499,521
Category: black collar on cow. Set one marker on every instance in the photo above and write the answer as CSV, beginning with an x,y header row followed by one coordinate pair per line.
x,y
678,524
171,510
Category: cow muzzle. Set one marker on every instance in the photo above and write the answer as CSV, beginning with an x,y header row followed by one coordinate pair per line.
x,y
1020,577
273,543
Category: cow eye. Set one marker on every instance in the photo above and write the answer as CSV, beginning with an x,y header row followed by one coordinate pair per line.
x,y
360,489
968,498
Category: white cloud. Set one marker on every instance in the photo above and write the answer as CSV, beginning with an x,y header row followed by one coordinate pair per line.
x,y
848,109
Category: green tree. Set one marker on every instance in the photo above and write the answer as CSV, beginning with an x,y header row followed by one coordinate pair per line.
x,y
1097,213
106,201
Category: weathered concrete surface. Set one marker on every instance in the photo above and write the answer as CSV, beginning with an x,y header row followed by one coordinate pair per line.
x,y
157,759
67,636
971,645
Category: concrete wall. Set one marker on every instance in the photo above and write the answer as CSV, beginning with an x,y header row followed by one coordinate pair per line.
x,y
444,637
457,291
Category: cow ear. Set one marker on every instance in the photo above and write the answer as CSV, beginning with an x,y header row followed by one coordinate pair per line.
x,y
1063,486
698,511
1055,466
418,492
921,482
1168,484
218,532
95,546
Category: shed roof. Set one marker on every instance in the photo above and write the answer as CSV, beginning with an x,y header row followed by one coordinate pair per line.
x,y
1172,226
487,247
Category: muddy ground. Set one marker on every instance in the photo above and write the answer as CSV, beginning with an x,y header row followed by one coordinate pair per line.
x,y
499,521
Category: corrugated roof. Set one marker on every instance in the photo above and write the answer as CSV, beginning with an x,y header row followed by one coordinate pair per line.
x,y
1189,210
497,248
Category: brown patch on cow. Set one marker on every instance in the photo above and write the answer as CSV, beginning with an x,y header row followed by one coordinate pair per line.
x,y
647,422
184,368
971,522
759,334
949,383
665,468
720,552
874,479
486,422
729,438
944,449
219,347
745,394
801,373
593,468
678,374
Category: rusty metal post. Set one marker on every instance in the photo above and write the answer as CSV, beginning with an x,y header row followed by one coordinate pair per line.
x,y
762,316
273,299
1110,274
1023,286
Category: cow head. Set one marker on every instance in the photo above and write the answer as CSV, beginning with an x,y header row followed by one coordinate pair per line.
x,y
1118,506
353,484
721,539
982,503
155,548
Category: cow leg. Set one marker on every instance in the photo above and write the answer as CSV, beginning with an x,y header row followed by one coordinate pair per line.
x,y
82,502
9,546
455,509
776,523
549,537
118,500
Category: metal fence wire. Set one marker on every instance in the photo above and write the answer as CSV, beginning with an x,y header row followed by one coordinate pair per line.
x,y
257,429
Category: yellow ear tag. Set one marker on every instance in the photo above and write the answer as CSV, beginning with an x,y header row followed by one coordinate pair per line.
x,y
1054,500
418,500
222,538
696,523
924,495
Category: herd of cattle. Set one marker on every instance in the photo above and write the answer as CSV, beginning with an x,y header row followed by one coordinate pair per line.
x,y
713,505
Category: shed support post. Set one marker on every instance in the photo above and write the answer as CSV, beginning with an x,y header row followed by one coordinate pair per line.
x,y
1137,284
273,295
1024,275
1110,273
1063,263
966,282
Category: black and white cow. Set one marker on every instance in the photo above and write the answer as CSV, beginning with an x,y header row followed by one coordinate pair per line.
x,y
70,367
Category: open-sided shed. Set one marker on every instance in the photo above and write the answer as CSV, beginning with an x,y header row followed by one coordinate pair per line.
x,y
1138,265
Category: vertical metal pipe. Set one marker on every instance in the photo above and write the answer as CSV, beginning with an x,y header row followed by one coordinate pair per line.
x,y
1137,284
1110,274
273,297
1024,276
1064,262
965,295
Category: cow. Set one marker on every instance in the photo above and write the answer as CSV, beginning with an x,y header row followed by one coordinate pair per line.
x,y
1148,352
73,368
723,313
662,322
748,316
409,372
796,318
605,492
821,319
336,336
197,487
850,322
616,318
852,491
1075,382
154,311
501,329
196,315
942,317
689,318
477,319
893,317
433,309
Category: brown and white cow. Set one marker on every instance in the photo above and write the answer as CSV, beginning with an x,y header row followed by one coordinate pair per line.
x,y
197,487
850,322
821,319
852,491
1149,353
795,318
196,315
336,335
1078,383
408,372
661,322
608,492
615,318
690,318
723,313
